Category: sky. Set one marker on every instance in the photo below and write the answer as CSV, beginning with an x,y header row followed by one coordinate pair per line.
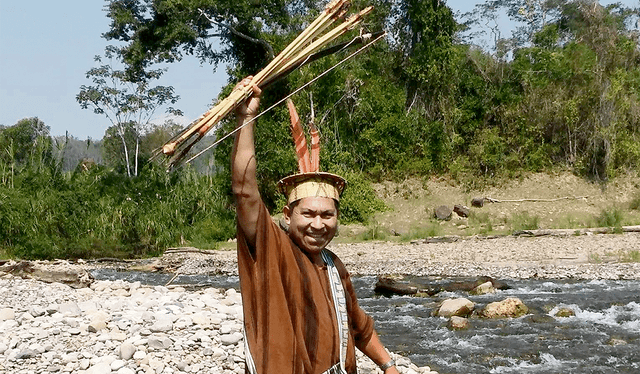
x,y
46,48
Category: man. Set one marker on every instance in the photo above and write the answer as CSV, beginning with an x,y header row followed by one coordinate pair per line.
x,y
297,320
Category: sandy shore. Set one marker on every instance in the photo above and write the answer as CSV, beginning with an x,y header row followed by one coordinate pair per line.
x,y
602,256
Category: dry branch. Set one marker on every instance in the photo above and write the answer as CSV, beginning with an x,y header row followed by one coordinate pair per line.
x,y
536,200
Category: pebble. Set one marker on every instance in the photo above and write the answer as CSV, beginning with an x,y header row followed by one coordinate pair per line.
x,y
116,327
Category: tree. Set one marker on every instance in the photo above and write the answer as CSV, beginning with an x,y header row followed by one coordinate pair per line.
x,y
126,101
23,137
26,155
424,32
212,30
530,16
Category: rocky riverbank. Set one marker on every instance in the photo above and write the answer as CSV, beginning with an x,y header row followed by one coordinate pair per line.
x,y
125,328
602,256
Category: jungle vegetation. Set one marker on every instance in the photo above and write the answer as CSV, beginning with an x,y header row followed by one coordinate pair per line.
x,y
561,92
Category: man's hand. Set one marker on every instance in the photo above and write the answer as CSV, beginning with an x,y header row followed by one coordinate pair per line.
x,y
249,108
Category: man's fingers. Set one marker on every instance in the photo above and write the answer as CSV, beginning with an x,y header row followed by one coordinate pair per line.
x,y
256,90
244,82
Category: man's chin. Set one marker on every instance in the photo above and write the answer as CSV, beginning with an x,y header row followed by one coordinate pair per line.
x,y
314,246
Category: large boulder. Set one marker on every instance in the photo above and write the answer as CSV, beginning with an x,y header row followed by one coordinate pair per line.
x,y
508,308
442,213
392,285
459,307
461,210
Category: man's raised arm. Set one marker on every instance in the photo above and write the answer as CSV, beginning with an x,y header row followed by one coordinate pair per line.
x,y
243,166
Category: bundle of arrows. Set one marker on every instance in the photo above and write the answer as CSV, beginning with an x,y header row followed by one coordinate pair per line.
x,y
305,48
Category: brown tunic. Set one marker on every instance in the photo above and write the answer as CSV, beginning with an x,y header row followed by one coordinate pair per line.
x,y
288,308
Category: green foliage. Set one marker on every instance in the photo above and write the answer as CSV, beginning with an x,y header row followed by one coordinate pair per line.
x,y
632,256
128,102
374,232
359,202
482,221
422,232
610,217
523,221
165,31
100,213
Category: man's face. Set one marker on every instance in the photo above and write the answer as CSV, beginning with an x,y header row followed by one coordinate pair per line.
x,y
313,222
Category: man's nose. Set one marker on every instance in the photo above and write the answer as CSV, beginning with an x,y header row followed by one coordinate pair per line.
x,y
316,222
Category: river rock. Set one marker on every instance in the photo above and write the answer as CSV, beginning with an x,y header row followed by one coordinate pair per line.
x,y
388,285
460,307
483,289
96,326
470,285
511,307
127,349
458,323
565,312
162,325
7,314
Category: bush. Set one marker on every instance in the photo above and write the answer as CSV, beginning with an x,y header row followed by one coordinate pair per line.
x,y
99,213
359,202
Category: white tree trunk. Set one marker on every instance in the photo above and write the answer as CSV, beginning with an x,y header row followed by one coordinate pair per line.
x,y
126,153
137,150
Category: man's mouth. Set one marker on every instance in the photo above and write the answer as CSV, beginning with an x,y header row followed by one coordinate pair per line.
x,y
315,236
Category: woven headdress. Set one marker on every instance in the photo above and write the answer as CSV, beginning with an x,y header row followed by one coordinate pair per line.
x,y
310,181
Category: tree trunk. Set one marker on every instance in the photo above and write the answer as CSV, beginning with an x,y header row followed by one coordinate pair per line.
x,y
126,152
136,155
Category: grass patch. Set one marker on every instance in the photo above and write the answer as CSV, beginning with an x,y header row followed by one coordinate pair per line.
x,y
570,221
374,232
429,231
595,258
630,256
481,221
611,217
524,221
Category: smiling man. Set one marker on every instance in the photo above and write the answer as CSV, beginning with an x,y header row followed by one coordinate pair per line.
x,y
301,314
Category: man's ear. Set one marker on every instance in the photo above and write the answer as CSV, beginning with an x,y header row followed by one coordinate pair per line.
x,y
286,211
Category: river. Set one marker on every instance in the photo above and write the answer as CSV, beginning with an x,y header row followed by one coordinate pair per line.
x,y
602,337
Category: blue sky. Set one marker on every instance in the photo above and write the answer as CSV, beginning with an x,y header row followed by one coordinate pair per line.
x,y
46,47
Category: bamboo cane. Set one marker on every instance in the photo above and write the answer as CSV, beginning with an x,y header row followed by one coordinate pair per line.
x,y
294,55
311,48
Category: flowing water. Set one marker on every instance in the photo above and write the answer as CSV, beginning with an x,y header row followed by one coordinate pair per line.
x,y
602,337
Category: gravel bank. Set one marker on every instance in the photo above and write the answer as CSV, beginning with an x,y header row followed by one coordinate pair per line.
x,y
117,327
577,257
